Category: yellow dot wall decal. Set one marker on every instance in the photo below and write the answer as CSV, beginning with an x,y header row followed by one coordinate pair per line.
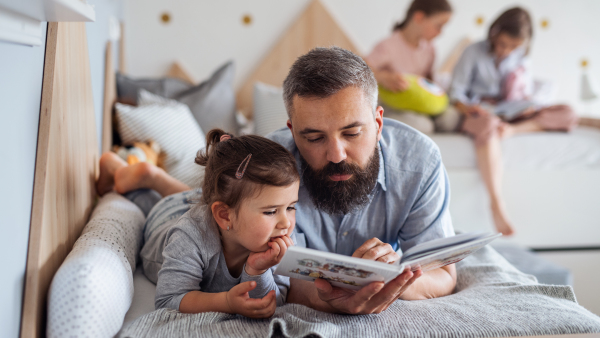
x,y
545,23
584,63
479,20
165,17
247,19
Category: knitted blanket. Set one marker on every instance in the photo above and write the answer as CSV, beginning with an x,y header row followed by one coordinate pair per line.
x,y
492,299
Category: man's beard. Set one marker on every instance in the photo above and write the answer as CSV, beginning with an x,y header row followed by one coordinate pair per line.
x,y
341,197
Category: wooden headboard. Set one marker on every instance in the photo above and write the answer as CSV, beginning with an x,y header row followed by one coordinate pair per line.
x,y
315,27
64,193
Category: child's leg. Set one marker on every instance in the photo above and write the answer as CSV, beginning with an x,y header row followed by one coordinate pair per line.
x,y
114,172
590,122
485,131
147,176
489,160
109,163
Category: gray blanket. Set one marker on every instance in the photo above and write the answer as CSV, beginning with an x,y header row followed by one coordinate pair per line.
x,y
492,299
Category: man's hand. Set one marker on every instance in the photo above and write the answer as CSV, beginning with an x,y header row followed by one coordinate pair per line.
x,y
373,298
239,301
259,262
376,250
394,81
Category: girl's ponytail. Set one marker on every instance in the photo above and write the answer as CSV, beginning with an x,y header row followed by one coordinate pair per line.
x,y
212,138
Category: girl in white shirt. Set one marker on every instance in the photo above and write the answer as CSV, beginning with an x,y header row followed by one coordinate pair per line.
x,y
491,74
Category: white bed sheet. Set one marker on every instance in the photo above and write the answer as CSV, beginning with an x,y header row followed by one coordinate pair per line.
x,y
143,297
579,149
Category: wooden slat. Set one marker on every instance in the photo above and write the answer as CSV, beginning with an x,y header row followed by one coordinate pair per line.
x,y
110,97
66,166
314,28
122,64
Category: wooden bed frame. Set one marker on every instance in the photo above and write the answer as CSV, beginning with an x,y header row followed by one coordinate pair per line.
x,y
67,155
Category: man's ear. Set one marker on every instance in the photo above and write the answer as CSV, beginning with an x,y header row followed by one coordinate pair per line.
x,y
379,121
289,125
222,215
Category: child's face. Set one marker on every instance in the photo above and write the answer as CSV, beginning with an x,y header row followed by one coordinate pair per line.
x,y
504,44
432,25
267,216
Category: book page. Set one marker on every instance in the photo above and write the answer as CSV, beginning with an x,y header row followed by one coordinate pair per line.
x,y
339,270
449,255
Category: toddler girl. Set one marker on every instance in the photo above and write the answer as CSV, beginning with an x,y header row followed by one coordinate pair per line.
x,y
491,74
219,254
409,50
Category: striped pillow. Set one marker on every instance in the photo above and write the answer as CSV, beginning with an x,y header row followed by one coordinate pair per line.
x,y
169,123
269,109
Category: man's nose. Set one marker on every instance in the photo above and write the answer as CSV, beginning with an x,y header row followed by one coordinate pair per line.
x,y
336,152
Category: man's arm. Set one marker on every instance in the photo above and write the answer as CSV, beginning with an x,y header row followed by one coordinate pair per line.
x,y
434,283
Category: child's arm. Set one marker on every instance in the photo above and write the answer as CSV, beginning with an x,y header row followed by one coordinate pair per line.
x,y
234,301
260,267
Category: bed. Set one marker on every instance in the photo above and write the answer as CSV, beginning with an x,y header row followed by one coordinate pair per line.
x,y
99,260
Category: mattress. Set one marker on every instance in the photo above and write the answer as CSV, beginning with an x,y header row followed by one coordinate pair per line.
x,y
143,297
579,149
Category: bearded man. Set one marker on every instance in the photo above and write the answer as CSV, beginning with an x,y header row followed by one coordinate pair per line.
x,y
368,189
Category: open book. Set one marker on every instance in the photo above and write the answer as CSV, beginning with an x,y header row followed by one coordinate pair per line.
x,y
354,273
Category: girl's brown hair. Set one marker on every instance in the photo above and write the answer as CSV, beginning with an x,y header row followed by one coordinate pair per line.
x,y
270,164
514,22
428,7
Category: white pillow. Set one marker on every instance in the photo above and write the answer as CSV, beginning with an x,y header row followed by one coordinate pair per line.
x,y
93,288
269,109
172,126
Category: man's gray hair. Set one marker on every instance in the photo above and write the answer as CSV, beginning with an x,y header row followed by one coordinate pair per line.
x,y
323,72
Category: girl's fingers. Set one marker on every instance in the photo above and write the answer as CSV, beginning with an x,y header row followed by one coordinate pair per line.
x,y
288,240
242,288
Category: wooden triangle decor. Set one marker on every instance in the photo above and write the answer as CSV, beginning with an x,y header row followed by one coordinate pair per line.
x,y
177,71
314,28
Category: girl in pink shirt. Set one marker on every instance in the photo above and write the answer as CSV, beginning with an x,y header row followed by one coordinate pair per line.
x,y
408,50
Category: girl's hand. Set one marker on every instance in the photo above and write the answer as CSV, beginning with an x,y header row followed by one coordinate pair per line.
x,y
394,82
259,262
239,301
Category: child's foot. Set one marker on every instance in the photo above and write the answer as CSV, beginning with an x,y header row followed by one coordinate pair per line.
x,y
109,163
501,222
136,176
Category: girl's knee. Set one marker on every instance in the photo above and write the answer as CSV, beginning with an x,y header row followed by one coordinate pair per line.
x,y
558,117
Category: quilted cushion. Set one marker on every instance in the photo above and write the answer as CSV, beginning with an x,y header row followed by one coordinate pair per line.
x,y
93,288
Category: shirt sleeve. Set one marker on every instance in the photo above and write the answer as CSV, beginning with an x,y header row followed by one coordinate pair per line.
x,y
266,282
181,270
462,77
429,216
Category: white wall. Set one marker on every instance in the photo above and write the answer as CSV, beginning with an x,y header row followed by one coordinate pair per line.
x,y
21,70
203,34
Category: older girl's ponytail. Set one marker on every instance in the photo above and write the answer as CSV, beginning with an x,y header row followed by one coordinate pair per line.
x,y
428,7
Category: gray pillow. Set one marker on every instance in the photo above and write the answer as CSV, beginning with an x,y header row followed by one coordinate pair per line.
x,y
213,101
128,88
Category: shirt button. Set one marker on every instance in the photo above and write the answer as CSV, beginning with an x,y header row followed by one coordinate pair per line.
x,y
345,233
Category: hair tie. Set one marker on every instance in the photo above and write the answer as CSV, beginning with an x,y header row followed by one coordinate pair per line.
x,y
239,174
225,137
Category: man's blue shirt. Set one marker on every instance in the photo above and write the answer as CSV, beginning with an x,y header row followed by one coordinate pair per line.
x,y
408,206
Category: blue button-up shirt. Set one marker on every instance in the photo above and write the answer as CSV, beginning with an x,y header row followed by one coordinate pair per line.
x,y
409,204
